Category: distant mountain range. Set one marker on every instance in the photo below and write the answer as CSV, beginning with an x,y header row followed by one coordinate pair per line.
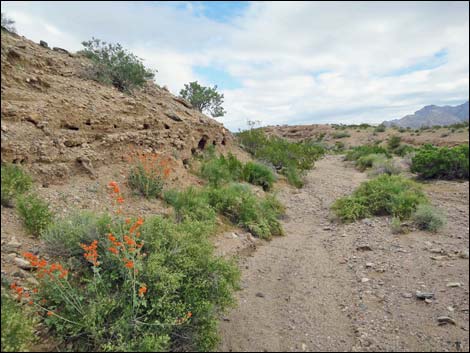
x,y
432,115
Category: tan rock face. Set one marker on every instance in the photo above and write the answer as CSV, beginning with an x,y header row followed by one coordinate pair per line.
x,y
53,119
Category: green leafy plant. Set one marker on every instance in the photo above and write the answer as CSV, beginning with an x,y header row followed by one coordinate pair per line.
x,y
380,128
259,174
220,170
191,204
144,285
367,161
340,135
359,151
204,98
431,162
34,213
385,195
429,218
17,326
393,143
112,64
15,182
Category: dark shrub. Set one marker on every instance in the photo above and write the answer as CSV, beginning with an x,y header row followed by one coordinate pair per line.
x,y
431,162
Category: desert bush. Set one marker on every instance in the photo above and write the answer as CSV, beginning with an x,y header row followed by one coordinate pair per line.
x,y
15,182
401,130
34,213
63,235
17,326
426,217
242,207
289,158
190,204
204,98
393,143
368,160
148,173
340,135
385,166
258,174
431,162
384,195
380,128
403,150
8,23
357,152
220,170
146,285
396,226
112,64
339,146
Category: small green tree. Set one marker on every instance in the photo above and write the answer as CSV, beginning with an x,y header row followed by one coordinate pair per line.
x,y
112,64
204,98
8,23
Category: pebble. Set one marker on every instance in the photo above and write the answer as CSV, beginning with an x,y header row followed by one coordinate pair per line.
x,y
407,295
365,280
25,265
260,295
369,264
14,242
424,295
454,284
444,320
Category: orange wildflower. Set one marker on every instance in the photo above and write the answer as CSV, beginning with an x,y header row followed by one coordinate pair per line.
x,y
129,264
120,200
113,250
50,313
142,291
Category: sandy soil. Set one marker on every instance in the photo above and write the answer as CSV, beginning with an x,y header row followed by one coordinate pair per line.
x,y
334,287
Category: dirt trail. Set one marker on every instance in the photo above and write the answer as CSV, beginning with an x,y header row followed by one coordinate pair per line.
x,y
351,287
293,294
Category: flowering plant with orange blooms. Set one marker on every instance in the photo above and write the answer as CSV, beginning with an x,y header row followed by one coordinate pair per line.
x,y
138,285
149,172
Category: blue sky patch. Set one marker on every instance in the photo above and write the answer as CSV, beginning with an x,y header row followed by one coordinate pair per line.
x,y
438,59
216,76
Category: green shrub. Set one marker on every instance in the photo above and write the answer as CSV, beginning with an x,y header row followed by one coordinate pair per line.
x,y
403,150
428,218
385,166
148,173
384,195
148,285
114,65
357,152
339,146
294,177
34,213
431,162
63,236
258,174
396,226
340,135
380,128
283,155
190,204
220,170
204,98
367,161
393,143
242,207
17,326
15,182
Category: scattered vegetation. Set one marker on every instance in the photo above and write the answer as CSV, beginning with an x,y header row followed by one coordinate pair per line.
x,y
393,143
429,218
385,166
360,151
114,65
367,161
15,182
396,226
191,205
340,135
385,195
204,98
380,128
259,174
143,285
431,162
34,213
289,158
17,326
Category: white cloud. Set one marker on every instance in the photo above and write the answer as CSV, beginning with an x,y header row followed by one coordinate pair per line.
x,y
303,62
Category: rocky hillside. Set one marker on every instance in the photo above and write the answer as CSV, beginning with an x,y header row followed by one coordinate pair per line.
x,y
59,124
432,115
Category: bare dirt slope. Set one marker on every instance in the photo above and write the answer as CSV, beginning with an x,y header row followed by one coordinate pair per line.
x,y
330,287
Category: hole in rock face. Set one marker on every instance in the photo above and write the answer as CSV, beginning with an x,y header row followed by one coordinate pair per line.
x,y
224,142
167,127
193,151
88,122
146,126
202,142
214,143
115,126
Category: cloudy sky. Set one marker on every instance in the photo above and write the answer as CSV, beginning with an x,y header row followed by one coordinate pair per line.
x,y
281,63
